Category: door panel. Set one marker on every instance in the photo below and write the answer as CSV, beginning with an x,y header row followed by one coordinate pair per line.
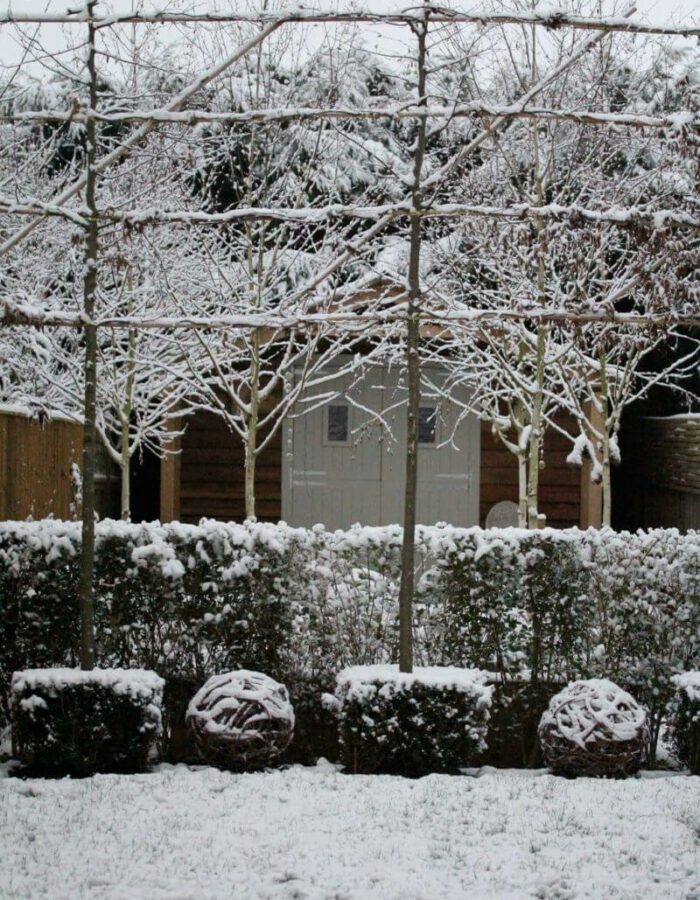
x,y
362,479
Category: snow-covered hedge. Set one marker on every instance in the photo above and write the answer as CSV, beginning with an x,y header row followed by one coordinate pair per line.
x,y
433,720
547,607
537,609
67,721
684,723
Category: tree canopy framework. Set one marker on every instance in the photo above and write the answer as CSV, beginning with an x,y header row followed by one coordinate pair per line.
x,y
417,207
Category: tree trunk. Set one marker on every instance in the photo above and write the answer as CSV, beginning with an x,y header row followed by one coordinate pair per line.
x,y
251,443
522,490
124,472
413,366
128,406
536,433
607,481
87,552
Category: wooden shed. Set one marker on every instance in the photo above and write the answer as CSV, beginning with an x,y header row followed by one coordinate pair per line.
x,y
325,466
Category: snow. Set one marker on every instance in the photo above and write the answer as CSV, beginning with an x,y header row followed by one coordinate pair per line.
x,y
690,683
187,833
216,705
134,682
468,681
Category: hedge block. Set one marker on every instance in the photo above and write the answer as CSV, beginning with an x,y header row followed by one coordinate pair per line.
x,y
433,720
685,719
69,721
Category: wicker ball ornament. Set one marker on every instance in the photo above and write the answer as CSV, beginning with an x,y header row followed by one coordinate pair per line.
x,y
241,720
593,728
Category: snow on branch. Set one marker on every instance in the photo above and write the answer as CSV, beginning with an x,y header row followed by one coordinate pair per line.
x,y
136,139
552,18
27,314
574,213
677,120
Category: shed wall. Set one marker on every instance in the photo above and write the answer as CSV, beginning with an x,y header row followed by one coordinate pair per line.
x,y
212,474
560,482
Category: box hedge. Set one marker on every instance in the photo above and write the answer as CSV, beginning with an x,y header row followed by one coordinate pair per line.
x,y
433,720
535,609
67,721
684,721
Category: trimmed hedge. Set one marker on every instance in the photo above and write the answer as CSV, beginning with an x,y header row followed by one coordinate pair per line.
x,y
431,721
549,607
684,722
536,609
66,721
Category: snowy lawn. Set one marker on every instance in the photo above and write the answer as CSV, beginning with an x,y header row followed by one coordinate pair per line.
x,y
314,833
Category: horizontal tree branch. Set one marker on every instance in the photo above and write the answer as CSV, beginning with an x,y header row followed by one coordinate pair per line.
x,y
438,14
680,119
24,314
138,218
176,103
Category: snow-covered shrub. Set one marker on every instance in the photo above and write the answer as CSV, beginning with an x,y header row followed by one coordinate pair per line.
x,y
594,728
515,603
536,609
542,608
645,589
241,720
510,601
346,614
68,721
433,720
684,721
39,620
187,601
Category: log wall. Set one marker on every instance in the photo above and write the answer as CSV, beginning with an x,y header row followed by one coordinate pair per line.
x,y
35,466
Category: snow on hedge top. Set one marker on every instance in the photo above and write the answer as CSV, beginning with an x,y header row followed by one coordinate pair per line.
x,y
132,682
354,680
690,683
589,709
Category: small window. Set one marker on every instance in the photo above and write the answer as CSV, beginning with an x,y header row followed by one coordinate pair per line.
x,y
337,429
427,422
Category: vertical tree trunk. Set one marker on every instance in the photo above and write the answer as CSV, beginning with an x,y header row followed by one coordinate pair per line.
x,y
607,482
128,406
251,443
536,433
87,552
522,489
413,367
605,439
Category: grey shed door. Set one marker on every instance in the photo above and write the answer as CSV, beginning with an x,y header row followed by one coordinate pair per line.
x,y
340,466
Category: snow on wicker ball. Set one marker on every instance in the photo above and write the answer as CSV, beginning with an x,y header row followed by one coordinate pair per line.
x,y
593,728
241,720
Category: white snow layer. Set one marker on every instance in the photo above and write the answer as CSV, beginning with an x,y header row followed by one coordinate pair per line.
x,y
216,703
133,682
468,681
590,709
690,683
188,834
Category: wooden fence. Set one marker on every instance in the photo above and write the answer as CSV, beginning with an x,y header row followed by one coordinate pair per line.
x,y
35,466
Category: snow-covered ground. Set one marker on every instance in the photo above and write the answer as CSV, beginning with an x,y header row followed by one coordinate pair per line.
x,y
200,834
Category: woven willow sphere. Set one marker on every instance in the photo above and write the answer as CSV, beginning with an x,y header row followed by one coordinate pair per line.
x,y
593,728
241,720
